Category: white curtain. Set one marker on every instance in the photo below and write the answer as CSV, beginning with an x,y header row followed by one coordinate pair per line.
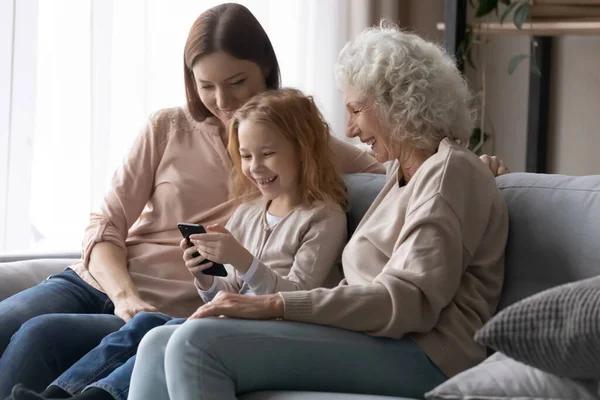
x,y
79,78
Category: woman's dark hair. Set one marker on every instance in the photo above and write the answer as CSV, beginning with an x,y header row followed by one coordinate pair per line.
x,y
232,29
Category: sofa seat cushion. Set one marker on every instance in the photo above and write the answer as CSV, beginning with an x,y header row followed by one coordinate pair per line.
x,y
291,395
20,275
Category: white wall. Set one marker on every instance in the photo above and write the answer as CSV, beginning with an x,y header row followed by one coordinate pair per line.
x,y
574,126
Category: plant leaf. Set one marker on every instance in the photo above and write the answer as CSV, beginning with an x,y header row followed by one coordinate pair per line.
x,y
485,7
521,14
507,11
515,61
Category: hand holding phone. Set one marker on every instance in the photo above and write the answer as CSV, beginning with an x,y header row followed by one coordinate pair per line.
x,y
186,230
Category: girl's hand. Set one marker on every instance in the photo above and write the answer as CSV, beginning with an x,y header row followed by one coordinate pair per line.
x,y
192,264
235,305
218,245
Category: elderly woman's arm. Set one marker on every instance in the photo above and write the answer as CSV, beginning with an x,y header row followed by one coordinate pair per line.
x,y
420,279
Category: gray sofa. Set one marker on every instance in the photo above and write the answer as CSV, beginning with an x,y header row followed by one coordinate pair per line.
x,y
554,233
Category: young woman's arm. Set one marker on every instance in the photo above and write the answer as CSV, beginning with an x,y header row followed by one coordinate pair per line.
x,y
104,250
108,265
352,160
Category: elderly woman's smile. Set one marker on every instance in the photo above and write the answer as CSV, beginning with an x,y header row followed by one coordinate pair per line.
x,y
365,124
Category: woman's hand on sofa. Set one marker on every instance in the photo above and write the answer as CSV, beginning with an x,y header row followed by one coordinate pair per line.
x,y
128,307
236,305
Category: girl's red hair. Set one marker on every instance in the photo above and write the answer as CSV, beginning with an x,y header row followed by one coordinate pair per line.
x,y
298,119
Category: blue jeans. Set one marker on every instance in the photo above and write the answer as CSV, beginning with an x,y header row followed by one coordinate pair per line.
x,y
43,330
219,358
110,364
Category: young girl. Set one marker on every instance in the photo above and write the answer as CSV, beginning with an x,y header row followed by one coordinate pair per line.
x,y
285,236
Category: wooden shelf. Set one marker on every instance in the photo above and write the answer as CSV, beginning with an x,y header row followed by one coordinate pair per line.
x,y
542,28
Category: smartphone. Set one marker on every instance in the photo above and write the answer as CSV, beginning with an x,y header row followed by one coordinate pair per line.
x,y
191,229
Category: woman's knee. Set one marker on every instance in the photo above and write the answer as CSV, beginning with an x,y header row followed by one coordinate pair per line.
x,y
42,329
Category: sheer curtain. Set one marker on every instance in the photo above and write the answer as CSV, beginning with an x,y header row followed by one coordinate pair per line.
x,y
79,78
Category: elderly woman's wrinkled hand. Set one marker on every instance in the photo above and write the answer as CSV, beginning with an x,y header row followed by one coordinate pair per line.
x,y
495,164
240,306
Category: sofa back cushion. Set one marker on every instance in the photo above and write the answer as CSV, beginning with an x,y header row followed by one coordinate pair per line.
x,y
554,232
362,190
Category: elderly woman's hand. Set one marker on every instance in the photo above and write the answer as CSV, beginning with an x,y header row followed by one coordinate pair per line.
x,y
495,164
240,306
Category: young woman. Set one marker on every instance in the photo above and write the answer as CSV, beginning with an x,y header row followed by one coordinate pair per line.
x,y
286,236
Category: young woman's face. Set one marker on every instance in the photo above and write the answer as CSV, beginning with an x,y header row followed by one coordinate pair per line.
x,y
225,83
269,161
366,124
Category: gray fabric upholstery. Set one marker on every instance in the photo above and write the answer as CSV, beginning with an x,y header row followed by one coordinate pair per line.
x,y
12,257
554,231
556,331
275,395
362,190
20,275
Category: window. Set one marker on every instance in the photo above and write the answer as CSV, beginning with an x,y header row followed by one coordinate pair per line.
x,y
81,77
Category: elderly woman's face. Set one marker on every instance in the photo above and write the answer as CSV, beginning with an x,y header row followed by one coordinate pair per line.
x,y
365,124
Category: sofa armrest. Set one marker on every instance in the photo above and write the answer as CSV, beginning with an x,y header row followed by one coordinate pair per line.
x,y
22,274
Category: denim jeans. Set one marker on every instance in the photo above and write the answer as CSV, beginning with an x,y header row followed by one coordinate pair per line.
x,y
46,328
219,358
110,364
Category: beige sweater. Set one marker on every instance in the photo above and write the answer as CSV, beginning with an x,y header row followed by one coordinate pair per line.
x,y
299,253
176,171
426,262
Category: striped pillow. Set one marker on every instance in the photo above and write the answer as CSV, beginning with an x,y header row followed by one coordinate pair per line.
x,y
557,330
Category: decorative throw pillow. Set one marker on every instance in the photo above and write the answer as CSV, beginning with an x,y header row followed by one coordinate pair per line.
x,y
557,330
500,377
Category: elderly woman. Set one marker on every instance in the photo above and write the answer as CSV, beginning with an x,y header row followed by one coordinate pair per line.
x,y
423,271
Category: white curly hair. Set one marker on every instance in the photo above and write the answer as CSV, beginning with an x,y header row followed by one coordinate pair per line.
x,y
414,84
